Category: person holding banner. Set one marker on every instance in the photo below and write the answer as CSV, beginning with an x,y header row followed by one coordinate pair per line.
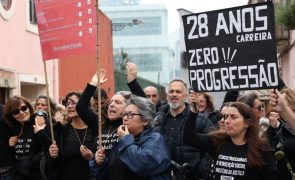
x,y
116,109
75,143
29,139
282,134
238,152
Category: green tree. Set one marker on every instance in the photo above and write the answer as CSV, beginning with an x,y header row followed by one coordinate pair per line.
x,y
120,61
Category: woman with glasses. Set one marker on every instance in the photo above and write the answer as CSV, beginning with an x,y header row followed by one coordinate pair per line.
x,y
115,111
28,137
238,152
254,102
75,143
140,152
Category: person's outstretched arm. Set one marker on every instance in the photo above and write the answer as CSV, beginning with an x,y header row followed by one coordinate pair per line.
x,y
132,83
280,104
190,135
86,114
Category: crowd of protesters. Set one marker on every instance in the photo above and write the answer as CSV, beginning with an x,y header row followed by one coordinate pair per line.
x,y
143,137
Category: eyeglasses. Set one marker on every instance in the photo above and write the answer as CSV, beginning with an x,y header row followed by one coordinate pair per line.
x,y
130,115
22,108
151,95
125,94
259,107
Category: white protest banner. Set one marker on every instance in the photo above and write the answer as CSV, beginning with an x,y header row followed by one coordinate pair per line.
x,y
232,49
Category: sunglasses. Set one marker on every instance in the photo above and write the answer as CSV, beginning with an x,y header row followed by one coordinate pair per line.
x,y
22,108
259,107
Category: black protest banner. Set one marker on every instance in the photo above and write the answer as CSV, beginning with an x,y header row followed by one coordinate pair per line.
x,y
232,48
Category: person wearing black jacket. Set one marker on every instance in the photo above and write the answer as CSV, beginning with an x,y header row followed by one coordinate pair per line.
x,y
75,143
29,137
169,122
115,111
7,159
282,134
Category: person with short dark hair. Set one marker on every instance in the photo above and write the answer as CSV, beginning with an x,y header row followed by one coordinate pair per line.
x,y
104,103
75,143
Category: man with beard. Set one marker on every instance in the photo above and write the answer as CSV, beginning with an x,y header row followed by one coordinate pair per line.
x,y
186,160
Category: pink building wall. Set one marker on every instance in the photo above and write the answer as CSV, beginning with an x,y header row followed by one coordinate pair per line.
x,y
288,63
21,54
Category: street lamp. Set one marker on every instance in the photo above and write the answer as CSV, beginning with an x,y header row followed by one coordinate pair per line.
x,y
120,26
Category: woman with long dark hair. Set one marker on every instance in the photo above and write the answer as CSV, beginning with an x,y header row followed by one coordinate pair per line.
x,y
29,136
238,152
75,143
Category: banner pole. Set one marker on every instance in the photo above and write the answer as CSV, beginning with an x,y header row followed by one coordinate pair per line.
x,y
98,74
48,103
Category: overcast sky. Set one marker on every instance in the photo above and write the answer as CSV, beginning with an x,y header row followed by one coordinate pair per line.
x,y
193,6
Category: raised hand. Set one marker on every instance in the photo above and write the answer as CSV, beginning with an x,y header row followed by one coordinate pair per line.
x,y
193,100
39,124
102,78
131,71
278,100
95,80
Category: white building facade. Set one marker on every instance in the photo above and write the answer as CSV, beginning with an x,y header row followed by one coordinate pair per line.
x,y
141,31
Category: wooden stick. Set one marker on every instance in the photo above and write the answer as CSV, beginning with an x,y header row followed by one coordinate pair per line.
x,y
98,74
48,103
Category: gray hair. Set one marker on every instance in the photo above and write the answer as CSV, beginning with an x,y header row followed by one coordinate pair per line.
x,y
145,107
178,80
